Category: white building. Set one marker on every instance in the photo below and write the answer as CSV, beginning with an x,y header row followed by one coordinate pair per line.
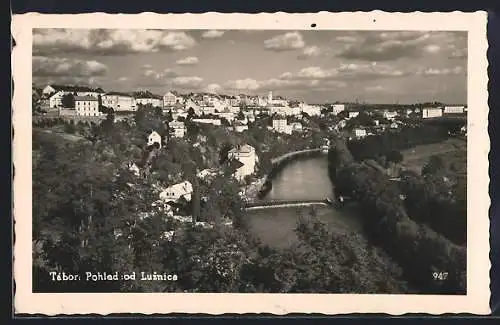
x,y
149,99
214,121
119,102
75,90
171,98
337,108
454,109
389,115
87,106
177,129
153,138
177,191
240,127
280,125
432,112
311,110
248,158
359,133
55,100
297,126
353,114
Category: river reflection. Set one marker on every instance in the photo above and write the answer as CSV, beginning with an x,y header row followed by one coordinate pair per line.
x,y
300,180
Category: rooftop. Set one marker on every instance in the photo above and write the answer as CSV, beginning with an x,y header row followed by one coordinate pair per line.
x,y
85,98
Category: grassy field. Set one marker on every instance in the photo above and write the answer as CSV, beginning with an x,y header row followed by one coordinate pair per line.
x,y
415,158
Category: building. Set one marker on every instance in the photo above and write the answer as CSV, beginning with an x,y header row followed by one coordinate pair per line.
x,y
55,99
337,108
75,90
280,125
394,125
353,114
212,121
177,129
432,112
87,106
119,102
176,192
246,155
153,138
297,126
359,133
171,98
240,127
146,98
390,115
454,109
311,110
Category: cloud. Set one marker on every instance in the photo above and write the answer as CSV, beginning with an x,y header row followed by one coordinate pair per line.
x,y
460,53
386,46
109,41
310,51
58,67
213,88
377,88
285,42
347,71
95,82
190,60
123,79
212,34
159,75
441,72
147,66
187,82
346,39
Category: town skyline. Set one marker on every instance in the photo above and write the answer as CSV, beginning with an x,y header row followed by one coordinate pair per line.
x,y
313,66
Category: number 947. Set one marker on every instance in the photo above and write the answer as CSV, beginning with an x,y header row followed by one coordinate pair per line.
x,y
441,276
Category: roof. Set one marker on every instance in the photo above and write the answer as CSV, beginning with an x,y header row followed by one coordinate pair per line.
x,y
235,164
116,93
243,149
75,88
87,98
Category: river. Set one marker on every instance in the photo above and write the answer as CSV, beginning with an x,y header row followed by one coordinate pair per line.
x,y
304,179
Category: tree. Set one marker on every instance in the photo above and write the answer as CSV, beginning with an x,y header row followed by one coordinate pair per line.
x,y
191,114
240,116
394,156
434,165
68,101
170,117
223,151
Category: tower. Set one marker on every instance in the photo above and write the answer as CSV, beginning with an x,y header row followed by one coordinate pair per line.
x,y
270,97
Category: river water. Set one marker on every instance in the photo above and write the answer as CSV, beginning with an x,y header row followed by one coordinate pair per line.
x,y
305,179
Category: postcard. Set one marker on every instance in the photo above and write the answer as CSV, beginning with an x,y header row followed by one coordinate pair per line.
x,y
327,163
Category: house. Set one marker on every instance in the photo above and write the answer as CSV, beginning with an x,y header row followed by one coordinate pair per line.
x,y
454,109
147,98
280,125
310,110
394,125
87,106
341,124
337,108
133,168
390,115
119,102
359,133
55,99
297,126
206,173
240,127
212,121
76,90
153,138
432,112
353,114
171,98
175,192
177,129
244,154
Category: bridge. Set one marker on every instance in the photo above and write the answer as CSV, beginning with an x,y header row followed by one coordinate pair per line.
x,y
284,204
289,155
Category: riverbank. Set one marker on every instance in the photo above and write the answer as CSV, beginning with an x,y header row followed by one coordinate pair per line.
x,y
264,184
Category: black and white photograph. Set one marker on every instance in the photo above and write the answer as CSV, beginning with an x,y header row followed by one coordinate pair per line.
x,y
243,160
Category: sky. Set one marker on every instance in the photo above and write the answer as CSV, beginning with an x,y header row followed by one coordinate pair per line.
x,y
314,66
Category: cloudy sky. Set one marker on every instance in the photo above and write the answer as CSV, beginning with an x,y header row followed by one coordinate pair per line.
x,y
316,66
